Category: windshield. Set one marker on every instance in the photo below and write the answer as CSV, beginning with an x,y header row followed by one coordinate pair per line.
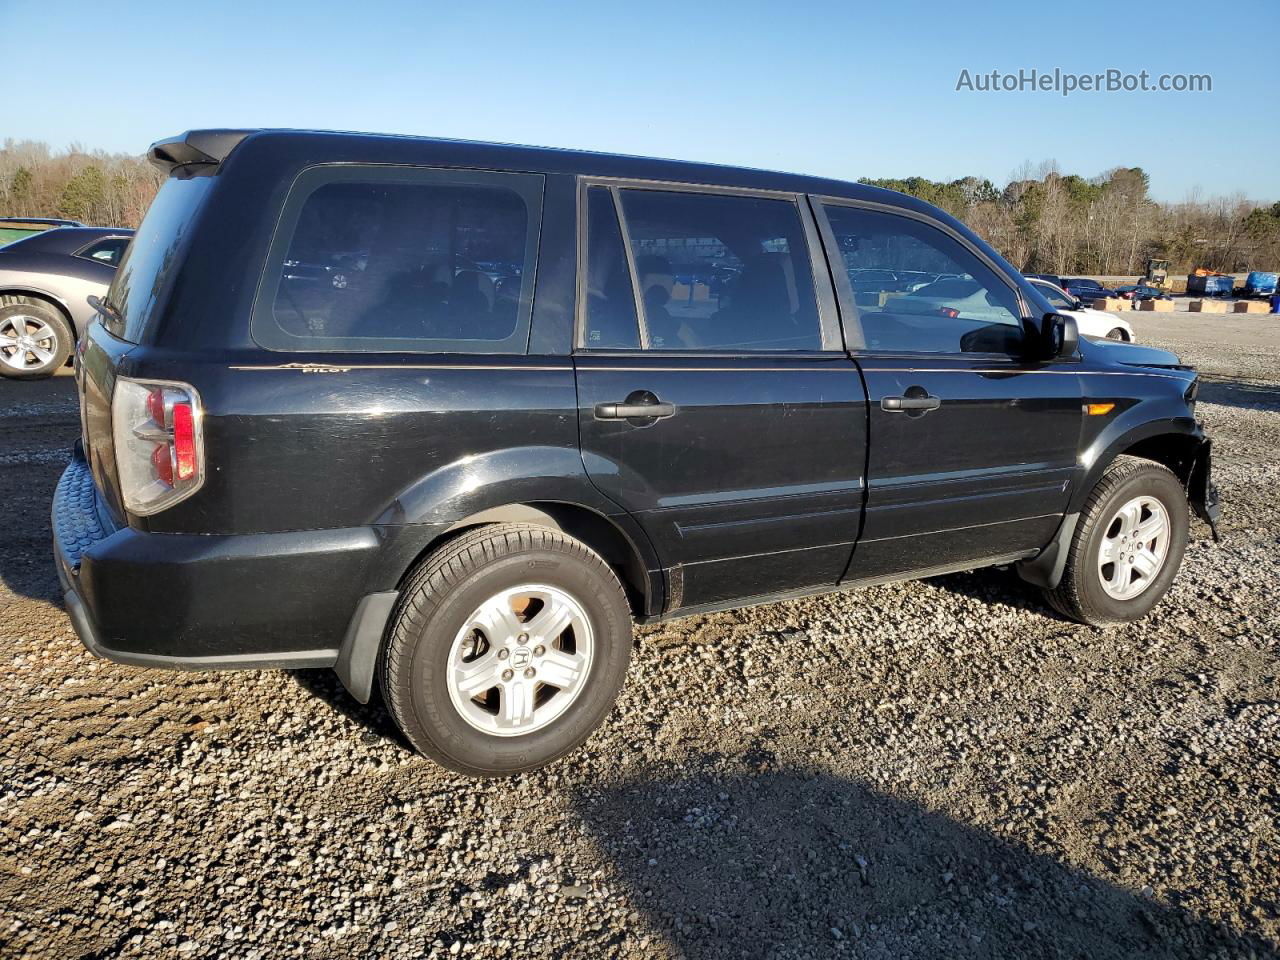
x,y
146,268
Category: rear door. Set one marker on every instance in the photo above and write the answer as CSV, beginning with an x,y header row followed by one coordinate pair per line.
x,y
972,446
718,407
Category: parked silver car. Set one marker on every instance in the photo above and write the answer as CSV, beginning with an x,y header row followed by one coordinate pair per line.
x,y
45,282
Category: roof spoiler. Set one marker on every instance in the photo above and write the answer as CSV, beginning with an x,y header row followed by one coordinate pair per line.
x,y
195,146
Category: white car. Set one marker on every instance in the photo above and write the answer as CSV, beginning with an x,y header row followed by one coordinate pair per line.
x,y
1090,322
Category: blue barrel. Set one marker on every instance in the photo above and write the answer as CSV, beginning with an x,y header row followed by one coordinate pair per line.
x,y
1275,303
1261,283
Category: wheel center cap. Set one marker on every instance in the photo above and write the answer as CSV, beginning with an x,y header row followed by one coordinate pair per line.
x,y
520,657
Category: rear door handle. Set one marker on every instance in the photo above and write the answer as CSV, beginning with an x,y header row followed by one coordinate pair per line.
x,y
899,404
635,411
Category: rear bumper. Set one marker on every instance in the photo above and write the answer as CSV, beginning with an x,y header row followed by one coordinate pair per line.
x,y
195,602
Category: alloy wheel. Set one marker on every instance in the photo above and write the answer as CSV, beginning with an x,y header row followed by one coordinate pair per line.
x,y
521,660
26,342
1134,547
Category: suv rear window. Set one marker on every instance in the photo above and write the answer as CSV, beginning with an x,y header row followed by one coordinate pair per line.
x,y
402,259
721,272
155,250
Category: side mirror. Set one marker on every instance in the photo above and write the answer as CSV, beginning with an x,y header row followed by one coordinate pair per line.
x,y
1059,337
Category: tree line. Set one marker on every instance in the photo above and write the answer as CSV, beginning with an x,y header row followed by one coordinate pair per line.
x,y
107,189
1043,221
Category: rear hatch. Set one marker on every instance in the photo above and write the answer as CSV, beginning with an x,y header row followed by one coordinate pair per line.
x,y
126,318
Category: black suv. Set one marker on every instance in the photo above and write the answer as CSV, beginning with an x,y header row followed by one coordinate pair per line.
x,y
448,417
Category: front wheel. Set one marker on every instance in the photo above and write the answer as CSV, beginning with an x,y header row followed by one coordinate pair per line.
x,y
507,649
1127,545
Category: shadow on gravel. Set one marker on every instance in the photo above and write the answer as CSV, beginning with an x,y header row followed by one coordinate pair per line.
x,y
999,586
39,423
1245,394
373,716
793,864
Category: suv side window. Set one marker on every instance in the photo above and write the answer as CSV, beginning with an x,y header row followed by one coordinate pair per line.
x,y
918,290
108,251
721,271
610,296
402,259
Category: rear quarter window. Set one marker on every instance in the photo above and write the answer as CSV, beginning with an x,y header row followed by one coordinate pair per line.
x,y
396,259
153,255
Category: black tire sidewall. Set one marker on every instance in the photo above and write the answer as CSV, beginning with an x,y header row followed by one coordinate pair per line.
x,y
435,720
62,350
1163,486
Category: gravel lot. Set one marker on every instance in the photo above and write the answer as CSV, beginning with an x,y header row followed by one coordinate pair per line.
x,y
919,770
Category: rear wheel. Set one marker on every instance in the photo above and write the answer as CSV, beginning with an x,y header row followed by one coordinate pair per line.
x,y
507,649
35,338
1117,334
1127,546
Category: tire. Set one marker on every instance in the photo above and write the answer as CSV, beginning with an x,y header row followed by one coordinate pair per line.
x,y
1130,591
51,338
449,619
1117,334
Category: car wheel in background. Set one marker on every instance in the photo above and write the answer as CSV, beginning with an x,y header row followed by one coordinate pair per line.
x,y
506,650
35,338
1127,545
1118,334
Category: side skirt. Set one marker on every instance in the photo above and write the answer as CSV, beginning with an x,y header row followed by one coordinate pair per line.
x,y
844,587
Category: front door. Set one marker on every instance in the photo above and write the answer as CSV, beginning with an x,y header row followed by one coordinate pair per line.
x,y
972,446
717,407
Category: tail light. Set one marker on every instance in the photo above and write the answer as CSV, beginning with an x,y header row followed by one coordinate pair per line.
x,y
950,312
158,444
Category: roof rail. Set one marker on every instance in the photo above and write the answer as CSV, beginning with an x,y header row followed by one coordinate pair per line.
x,y
195,146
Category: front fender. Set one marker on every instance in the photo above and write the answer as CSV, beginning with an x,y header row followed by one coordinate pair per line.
x,y
1142,422
1147,426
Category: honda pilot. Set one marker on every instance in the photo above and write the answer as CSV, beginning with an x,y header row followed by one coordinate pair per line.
x,y
449,418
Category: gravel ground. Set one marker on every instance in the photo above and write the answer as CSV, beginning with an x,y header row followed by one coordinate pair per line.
x,y
920,770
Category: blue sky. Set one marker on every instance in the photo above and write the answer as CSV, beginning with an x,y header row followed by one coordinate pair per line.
x,y
845,89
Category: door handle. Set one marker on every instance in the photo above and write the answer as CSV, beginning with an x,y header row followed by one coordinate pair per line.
x,y
635,411
900,404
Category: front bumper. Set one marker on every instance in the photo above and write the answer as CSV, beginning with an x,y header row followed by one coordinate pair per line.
x,y
195,602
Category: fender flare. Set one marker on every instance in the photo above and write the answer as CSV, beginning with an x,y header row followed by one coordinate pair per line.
x,y
1121,437
469,490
